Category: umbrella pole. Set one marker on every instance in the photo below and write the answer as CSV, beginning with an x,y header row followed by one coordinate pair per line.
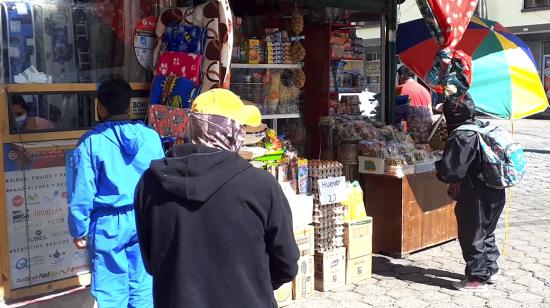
x,y
507,212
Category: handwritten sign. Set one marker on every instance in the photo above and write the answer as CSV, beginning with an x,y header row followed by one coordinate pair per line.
x,y
332,190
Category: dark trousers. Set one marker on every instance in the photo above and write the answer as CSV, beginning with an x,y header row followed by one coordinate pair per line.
x,y
477,222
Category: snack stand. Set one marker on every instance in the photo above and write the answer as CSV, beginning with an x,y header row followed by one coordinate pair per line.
x,y
37,255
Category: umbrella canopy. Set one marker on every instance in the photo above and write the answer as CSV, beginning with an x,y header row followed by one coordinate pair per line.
x,y
505,81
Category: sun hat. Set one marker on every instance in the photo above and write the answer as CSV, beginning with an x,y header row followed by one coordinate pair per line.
x,y
222,102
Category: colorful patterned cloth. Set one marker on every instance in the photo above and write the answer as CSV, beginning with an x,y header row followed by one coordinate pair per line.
x,y
168,121
216,132
216,17
172,91
180,64
182,38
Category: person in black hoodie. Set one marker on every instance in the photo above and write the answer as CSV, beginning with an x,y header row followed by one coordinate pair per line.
x,y
214,230
478,206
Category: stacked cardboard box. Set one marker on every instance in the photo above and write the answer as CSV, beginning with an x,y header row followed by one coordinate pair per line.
x,y
303,284
283,295
330,269
358,242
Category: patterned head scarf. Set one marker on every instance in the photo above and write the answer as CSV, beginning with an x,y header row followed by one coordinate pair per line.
x,y
216,131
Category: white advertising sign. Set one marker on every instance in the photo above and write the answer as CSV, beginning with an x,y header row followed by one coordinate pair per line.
x,y
332,190
53,255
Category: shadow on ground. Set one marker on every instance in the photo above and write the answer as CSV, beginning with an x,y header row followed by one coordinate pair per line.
x,y
383,266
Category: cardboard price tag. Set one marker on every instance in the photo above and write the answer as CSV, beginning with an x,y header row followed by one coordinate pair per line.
x,y
332,190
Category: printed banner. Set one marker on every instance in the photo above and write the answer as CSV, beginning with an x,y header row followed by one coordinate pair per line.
x,y
53,255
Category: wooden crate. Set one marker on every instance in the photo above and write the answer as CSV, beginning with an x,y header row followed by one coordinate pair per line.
x,y
411,213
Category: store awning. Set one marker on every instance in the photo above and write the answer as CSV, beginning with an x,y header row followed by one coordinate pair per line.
x,y
374,6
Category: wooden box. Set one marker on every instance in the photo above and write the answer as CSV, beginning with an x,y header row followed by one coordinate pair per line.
x,y
411,213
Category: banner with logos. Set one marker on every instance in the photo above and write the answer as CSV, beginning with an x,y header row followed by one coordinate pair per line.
x,y
53,255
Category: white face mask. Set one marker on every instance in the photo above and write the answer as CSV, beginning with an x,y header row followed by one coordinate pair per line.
x,y
21,119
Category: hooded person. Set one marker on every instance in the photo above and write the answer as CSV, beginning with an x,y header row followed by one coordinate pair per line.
x,y
214,230
107,164
478,206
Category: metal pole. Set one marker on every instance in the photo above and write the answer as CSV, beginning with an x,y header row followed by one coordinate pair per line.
x,y
390,61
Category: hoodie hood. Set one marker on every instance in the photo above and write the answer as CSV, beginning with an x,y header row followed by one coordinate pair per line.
x,y
124,134
459,113
195,172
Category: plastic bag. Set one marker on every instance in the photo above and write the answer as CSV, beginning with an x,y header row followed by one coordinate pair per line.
x,y
354,207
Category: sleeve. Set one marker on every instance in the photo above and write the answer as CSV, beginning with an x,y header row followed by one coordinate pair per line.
x,y
280,243
458,156
144,221
84,191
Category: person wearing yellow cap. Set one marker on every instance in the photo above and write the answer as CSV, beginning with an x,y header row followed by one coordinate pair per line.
x,y
214,230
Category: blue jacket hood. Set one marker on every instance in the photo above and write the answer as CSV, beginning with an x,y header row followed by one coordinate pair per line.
x,y
124,134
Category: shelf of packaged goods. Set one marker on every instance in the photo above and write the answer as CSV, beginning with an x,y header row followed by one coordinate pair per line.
x,y
346,59
280,116
266,66
65,87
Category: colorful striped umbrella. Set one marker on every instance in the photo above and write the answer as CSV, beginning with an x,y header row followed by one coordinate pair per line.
x,y
505,81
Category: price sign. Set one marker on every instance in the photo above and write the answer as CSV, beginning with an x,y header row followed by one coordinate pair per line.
x,y
332,190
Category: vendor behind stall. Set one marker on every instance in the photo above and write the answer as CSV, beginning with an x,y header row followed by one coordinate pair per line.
x,y
419,96
20,112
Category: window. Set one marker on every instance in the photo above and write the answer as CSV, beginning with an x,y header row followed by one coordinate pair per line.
x,y
535,4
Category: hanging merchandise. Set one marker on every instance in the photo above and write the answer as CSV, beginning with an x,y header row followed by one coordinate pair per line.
x,y
180,64
299,78
215,18
297,22
184,38
144,42
172,91
168,121
447,21
297,52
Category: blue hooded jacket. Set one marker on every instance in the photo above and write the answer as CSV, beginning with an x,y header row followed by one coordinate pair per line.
x,y
107,164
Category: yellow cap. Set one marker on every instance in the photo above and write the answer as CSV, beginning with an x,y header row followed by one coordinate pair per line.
x,y
225,103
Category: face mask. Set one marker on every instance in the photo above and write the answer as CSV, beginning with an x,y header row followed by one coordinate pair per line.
x,y
21,119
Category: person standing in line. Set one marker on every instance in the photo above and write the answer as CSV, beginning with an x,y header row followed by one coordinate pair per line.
x,y
214,230
108,163
478,206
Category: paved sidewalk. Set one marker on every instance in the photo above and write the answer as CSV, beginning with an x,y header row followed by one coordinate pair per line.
x,y
424,279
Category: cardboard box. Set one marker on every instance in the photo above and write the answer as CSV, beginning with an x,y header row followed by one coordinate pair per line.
x,y
283,295
373,165
303,284
358,269
330,269
358,238
302,211
305,241
253,46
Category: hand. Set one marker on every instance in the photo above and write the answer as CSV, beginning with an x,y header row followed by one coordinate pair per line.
x,y
80,243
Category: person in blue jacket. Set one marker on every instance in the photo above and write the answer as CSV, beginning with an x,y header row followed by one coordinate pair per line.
x,y
107,164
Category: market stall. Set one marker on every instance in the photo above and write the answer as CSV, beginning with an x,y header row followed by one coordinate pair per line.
x,y
49,78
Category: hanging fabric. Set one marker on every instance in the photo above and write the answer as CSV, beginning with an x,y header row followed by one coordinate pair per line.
x,y
216,18
447,21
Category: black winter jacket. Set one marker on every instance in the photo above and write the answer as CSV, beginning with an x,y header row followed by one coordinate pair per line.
x,y
214,231
461,163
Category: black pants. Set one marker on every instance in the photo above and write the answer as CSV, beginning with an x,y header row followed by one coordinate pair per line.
x,y
477,222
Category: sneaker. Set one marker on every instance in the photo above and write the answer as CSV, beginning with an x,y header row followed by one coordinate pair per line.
x,y
470,285
494,278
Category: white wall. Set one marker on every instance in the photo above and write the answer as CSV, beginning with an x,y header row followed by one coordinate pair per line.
x,y
406,12
508,13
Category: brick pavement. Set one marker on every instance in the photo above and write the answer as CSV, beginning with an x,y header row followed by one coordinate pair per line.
x,y
424,279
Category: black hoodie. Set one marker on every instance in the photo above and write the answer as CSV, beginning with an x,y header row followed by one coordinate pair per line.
x,y
214,231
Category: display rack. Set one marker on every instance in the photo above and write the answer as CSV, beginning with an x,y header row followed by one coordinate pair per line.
x,y
265,66
58,140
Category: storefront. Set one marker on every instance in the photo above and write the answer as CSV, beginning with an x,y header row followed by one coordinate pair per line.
x,y
306,69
